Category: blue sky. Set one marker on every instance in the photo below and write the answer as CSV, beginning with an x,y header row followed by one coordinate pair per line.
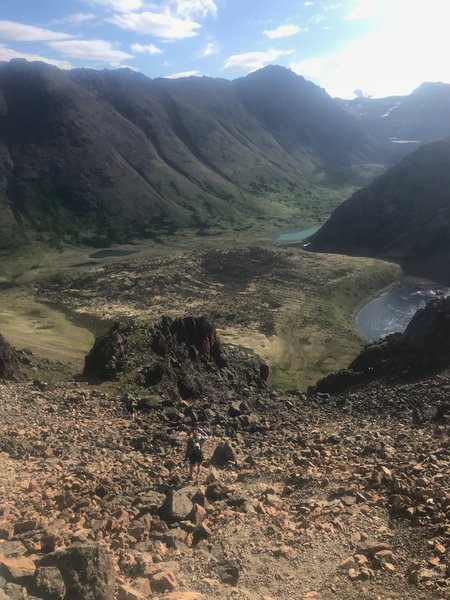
x,y
382,47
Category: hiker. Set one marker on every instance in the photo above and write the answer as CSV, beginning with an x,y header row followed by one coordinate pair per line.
x,y
194,452
129,404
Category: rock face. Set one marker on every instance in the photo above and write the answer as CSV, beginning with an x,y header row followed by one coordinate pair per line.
x,y
423,349
87,572
8,360
183,357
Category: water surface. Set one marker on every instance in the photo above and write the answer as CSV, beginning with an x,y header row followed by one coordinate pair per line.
x,y
392,311
295,234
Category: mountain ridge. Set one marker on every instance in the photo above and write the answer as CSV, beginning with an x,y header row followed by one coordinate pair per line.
x,y
102,156
110,156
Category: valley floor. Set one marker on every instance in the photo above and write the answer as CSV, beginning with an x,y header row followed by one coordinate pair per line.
x,y
296,309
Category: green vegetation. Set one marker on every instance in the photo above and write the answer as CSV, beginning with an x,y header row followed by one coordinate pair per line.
x,y
295,308
47,332
318,330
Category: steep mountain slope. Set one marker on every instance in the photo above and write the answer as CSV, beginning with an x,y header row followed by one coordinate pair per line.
x,y
405,213
423,116
101,156
302,114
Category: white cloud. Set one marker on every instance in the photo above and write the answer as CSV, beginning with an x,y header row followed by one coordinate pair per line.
x,y
11,30
119,5
308,3
210,49
92,50
184,74
283,31
8,54
194,8
406,46
332,6
160,25
146,49
250,61
76,18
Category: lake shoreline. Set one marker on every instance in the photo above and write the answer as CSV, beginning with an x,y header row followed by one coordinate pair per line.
x,y
396,311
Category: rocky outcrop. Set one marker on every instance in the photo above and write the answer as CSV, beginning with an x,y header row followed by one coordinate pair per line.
x,y
8,360
107,357
181,357
423,349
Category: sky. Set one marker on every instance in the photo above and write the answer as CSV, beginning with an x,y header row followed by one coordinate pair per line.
x,y
349,47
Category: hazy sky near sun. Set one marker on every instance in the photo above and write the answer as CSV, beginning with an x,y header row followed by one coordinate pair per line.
x,y
383,47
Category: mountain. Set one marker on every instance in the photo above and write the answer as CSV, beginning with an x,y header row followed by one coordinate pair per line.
x,y
100,156
301,114
402,122
403,214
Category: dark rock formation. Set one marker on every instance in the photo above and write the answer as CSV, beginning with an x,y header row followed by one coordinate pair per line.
x,y
87,571
50,584
182,357
423,349
8,360
107,357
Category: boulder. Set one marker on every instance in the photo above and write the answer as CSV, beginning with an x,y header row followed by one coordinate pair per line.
x,y
87,571
177,506
223,455
17,568
163,582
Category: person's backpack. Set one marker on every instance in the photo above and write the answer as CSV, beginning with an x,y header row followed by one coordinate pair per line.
x,y
196,449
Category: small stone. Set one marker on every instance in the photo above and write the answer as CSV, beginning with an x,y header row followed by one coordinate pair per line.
x,y
163,582
347,564
25,526
372,548
126,592
348,500
16,568
440,549
185,596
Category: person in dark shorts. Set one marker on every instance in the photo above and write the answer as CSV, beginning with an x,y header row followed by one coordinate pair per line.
x,y
194,450
129,404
